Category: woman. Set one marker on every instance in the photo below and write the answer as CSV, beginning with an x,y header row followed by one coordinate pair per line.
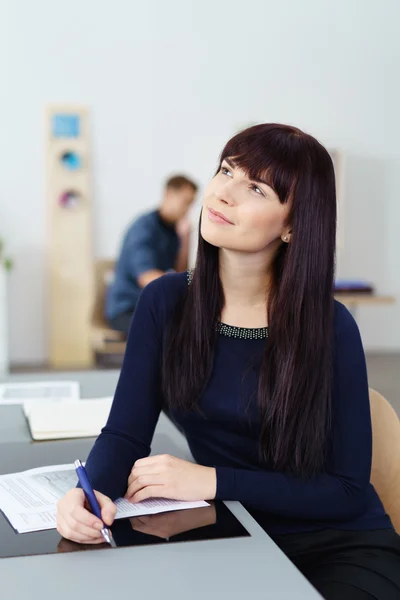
x,y
263,371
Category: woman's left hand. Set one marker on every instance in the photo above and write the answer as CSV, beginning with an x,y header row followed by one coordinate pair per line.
x,y
165,476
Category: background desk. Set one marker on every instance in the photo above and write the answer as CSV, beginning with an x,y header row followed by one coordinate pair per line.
x,y
195,571
353,301
93,384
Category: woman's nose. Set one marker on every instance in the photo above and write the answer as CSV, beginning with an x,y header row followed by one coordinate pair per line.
x,y
226,194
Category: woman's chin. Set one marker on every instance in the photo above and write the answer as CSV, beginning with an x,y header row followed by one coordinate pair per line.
x,y
212,237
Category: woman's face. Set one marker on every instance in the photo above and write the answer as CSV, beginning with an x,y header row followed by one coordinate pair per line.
x,y
241,214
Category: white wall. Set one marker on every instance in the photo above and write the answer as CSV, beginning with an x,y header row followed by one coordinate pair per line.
x,y
168,83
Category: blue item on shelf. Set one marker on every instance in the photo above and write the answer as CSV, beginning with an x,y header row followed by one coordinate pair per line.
x,y
353,286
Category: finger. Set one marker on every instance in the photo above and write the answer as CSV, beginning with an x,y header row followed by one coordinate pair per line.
x,y
99,540
85,518
144,470
141,528
82,540
84,531
70,532
151,491
146,523
144,520
141,482
138,526
138,523
108,508
151,460
108,514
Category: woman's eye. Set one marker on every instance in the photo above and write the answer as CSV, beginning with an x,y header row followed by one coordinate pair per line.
x,y
226,171
256,189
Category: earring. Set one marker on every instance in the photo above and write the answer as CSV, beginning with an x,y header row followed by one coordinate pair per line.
x,y
285,239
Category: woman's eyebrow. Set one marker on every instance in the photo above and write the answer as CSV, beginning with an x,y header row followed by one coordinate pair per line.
x,y
229,162
260,180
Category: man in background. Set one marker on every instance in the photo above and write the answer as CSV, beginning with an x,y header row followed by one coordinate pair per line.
x,y
154,243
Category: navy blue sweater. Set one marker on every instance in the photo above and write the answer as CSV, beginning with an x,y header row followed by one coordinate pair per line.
x,y
226,435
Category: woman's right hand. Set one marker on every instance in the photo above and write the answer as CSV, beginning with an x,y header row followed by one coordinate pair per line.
x,y
75,522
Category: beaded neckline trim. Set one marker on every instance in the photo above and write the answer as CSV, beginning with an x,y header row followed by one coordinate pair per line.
x,y
244,333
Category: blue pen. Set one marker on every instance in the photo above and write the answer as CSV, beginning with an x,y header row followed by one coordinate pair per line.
x,y
91,498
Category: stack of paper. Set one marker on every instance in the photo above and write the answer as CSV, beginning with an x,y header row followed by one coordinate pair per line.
x,y
39,391
29,499
67,419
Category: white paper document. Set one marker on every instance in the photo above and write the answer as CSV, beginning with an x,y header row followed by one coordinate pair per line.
x,y
38,391
29,499
67,419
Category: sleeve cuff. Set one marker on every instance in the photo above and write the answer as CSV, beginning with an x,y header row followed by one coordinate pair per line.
x,y
225,483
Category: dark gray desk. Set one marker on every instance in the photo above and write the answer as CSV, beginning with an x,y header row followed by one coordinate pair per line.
x,y
230,568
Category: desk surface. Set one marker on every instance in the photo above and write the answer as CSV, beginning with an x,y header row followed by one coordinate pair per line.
x,y
349,298
190,570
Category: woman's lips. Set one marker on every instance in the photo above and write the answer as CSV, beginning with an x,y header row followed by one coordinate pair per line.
x,y
217,217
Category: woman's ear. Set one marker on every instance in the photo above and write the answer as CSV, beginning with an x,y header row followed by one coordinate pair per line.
x,y
286,237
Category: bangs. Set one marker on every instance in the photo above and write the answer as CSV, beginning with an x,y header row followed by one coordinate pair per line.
x,y
265,159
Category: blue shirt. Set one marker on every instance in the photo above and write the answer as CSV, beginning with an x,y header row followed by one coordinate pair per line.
x,y
226,434
148,244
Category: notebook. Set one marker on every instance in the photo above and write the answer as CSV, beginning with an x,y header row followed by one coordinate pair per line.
x,y
67,419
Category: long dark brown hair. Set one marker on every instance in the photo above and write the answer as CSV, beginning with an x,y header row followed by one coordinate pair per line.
x,y
294,390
